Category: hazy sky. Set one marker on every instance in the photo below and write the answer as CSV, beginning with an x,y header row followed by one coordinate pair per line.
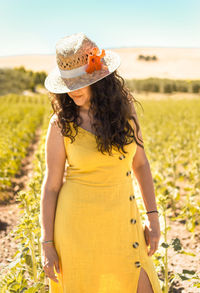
x,y
34,26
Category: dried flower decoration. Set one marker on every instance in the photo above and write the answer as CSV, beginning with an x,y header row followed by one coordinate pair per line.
x,y
94,61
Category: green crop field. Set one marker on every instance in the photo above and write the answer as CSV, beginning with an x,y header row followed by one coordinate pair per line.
x,y
171,134
19,118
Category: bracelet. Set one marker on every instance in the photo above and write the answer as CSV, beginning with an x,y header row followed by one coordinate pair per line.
x,y
154,211
47,241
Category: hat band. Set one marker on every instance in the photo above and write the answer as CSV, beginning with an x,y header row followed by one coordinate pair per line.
x,y
73,72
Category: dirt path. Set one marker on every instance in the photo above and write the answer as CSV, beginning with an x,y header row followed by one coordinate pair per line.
x,y
180,262
10,215
10,212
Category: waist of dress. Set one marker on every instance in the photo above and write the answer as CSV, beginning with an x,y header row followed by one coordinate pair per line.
x,y
99,183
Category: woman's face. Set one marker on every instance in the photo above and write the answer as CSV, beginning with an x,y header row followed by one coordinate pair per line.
x,y
81,97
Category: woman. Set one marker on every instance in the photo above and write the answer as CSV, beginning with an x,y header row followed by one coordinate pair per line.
x,y
92,236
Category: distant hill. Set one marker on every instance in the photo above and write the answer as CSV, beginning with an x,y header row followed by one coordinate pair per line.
x,y
175,63
17,80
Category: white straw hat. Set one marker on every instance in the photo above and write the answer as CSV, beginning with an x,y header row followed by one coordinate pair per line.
x,y
79,64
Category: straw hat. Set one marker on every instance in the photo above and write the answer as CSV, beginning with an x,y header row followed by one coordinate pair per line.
x,y
79,63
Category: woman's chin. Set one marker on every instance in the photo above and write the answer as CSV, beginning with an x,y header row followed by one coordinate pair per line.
x,y
79,103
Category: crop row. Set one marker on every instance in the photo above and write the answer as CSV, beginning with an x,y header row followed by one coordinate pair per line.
x,y
159,85
20,116
171,139
25,273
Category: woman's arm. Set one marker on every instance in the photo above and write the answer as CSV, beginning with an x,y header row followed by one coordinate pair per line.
x,y
145,181
142,172
55,157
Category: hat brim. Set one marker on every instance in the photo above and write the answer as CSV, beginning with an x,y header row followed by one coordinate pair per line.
x,y
56,84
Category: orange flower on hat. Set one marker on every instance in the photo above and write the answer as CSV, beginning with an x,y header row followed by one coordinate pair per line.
x,y
94,61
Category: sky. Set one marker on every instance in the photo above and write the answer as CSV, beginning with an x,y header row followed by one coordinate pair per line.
x,y
34,26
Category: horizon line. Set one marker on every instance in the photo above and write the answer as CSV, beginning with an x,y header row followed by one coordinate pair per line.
x,y
107,48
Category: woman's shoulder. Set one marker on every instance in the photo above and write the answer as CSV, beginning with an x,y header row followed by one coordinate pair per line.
x,y
54,123
131,101
54,120
134,121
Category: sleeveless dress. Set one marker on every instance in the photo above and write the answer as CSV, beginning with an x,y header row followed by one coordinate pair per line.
x,y
98,233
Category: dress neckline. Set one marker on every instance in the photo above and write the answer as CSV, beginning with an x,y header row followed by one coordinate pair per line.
x,y
89,132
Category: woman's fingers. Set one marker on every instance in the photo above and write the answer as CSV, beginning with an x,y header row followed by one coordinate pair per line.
x,y
146,235
49,271
153,247
50,262
57,266
152,238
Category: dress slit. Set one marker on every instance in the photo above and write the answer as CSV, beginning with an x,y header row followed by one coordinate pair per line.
x,y
141,280
152,276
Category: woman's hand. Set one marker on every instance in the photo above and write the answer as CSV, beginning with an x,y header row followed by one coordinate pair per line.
x,y
49,259
152,233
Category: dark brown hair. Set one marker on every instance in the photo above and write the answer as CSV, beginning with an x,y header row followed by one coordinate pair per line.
x,y
110,106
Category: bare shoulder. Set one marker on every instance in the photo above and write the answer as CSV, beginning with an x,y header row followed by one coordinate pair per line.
x,y
136,123
131,103
54,131
139,158
55,155
54,119
53,123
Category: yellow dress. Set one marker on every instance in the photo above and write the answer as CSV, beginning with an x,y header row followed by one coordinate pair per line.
x,y
98,232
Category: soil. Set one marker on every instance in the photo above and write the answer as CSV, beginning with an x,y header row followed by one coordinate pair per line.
x,y
10,215
179,262
10,211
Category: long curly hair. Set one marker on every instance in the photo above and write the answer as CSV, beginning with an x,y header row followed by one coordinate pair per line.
x,y
110,109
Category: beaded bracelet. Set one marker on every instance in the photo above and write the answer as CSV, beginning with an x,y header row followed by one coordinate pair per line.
x,y
47,241
154,211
